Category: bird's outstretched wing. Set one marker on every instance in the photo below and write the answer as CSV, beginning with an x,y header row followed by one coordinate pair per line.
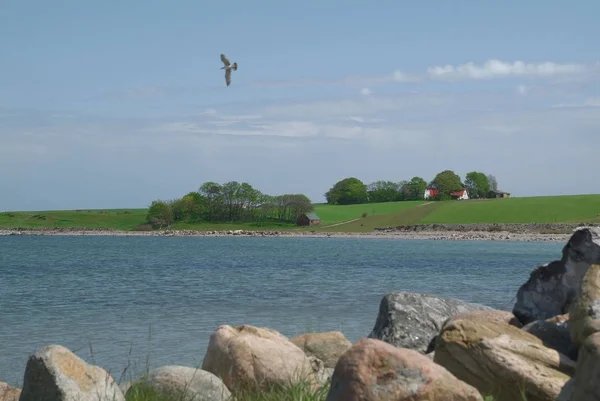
x,y
224,60
228,76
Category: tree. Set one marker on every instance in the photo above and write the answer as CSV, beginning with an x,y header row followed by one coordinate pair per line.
x,y
290,206
212,192
447,182
160,214
347,192
493,182
383,191
401,185
236,202
477,184
414,189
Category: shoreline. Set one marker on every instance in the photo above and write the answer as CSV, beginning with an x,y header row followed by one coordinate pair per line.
x,y
439,235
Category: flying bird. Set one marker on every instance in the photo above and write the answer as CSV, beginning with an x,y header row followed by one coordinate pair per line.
x,y
228,67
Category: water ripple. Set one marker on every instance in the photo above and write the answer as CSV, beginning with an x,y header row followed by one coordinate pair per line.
x,y
166,295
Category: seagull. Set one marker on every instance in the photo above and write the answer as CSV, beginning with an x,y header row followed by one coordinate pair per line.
x,y
228,67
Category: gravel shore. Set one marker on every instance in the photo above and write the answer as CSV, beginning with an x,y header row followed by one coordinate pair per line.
x,y
382,234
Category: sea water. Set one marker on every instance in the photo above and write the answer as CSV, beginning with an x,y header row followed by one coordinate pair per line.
x,y
148,301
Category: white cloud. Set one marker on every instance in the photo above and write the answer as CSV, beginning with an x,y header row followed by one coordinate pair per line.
x,y
522,90
593,101
275,145
500,69
365,91
400,76
565,73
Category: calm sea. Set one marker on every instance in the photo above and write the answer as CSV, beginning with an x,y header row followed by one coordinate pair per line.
x,y
117,301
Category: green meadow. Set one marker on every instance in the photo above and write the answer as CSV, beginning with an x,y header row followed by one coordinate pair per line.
x,y
348,218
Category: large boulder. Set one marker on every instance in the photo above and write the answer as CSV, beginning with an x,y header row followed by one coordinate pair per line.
x,y
502,360
584,317
553,287
413,320
54,373
585,386
498,316
248,356
185,384
553,335
372,370
327,346
8,392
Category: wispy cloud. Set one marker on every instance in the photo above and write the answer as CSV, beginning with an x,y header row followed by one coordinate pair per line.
x,y
276,145
489,70
493,69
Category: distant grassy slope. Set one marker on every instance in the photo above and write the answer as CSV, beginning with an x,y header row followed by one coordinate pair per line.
x,y
113,219
407,216
119,219
331,214
551,209
546,209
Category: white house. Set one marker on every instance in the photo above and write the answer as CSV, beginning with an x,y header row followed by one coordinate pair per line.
x,y
458,195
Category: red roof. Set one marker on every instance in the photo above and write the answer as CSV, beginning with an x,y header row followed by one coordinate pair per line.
x,y
433,191
458,193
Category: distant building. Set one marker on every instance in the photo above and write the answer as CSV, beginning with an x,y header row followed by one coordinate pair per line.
x,y
499,194
460,195
308,219
432,192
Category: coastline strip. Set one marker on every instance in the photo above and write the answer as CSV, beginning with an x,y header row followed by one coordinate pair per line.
x,y
399,235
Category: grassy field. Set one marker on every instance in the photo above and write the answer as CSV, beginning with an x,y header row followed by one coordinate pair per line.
x,y
331,214
546,209
550,209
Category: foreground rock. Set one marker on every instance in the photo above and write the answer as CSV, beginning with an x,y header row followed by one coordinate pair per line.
x,y
187,384
327,346
553,287
497,316
584,317
246,356
373,370
585,385
54,373
502,360
412,320
553,335
8,392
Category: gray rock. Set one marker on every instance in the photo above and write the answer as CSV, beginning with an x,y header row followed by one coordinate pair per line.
x,y
187,384
413,320
552,287
54,373
554,336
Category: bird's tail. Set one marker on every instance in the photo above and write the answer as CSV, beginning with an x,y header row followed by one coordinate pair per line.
x,y
234,66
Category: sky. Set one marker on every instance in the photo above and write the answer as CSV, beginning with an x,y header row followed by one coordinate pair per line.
x,y
114,104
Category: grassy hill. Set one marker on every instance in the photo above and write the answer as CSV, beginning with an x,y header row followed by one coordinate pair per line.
x,y
548,209
542,209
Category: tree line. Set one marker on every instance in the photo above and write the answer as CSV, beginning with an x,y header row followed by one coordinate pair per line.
x,y
228,202
353,191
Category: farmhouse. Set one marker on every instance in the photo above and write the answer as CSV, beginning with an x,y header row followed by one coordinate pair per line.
x,y
432,192
499,194
460,195
308,219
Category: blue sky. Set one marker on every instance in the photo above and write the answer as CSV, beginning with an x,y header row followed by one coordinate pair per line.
x,y
114,104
